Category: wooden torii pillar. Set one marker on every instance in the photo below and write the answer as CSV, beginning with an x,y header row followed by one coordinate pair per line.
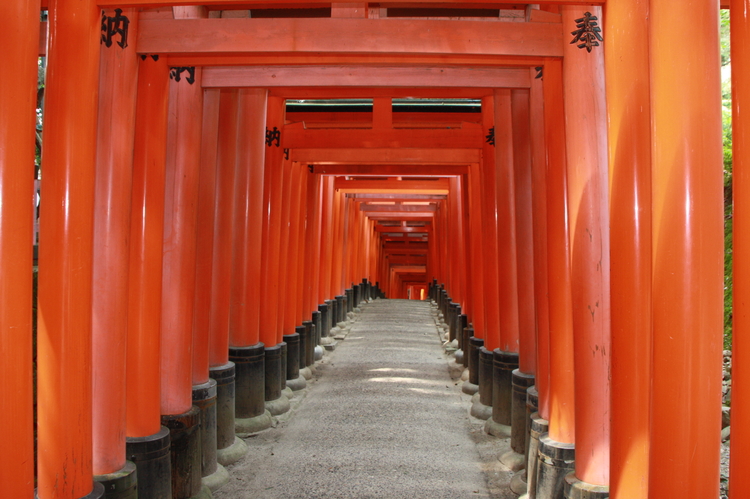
x,y
65,254
17,104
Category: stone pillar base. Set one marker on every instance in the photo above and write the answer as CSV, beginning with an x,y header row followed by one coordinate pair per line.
x,y
518,484
497,429
247,426
233,453
217,479
279,406
513,461
297,384
469,388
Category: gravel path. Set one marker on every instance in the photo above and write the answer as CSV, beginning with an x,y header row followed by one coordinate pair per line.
x,y
380,419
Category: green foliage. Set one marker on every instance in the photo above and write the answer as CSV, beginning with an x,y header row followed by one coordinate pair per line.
x,y
726,105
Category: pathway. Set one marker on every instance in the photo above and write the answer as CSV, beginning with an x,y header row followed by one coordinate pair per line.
x,y
381,419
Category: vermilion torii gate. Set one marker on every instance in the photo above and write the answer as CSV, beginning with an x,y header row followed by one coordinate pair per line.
x,y
196,238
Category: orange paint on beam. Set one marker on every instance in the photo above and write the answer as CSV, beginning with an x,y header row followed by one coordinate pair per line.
x,y
467,137
365,76
353,36
316,3
386,156
292,58
391,170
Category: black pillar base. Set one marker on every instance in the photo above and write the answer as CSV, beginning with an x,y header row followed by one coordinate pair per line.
x,y
537,428
482,408
276,402
475,345
225,399
122,484
185,452
556,460
204,398
322,320
465,332
309,350
293,378
250,380
502,385
521,384
152,463
340,310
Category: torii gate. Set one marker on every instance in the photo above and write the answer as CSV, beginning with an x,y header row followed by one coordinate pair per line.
x,y
663,215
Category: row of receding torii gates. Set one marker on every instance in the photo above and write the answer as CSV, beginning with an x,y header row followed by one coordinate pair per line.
x,y
624,338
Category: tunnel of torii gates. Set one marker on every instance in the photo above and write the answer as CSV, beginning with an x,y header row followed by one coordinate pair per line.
x,y
199,238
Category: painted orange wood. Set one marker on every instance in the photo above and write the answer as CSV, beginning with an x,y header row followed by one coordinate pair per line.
x,y
270,334
475,261
306,3
561,378
65,252
223,212
143,390
391,170
524,230
245,297
505,186
180,205
415,185
387,156
118,82
588,223
204,240
465,138
687,257
288,247
628,108
739,481
349,9
404,230
352,36
17,103
364,76
292,58
539,193
399,208
489,232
